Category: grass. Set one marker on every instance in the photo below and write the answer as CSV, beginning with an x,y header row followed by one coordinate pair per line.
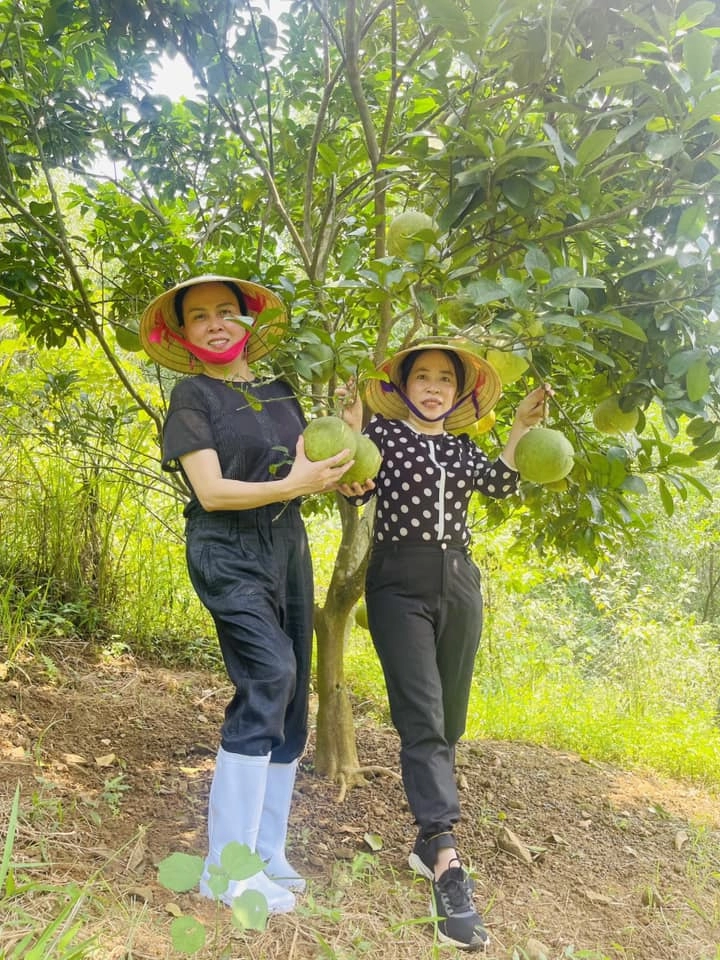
x,y
646,697
566,710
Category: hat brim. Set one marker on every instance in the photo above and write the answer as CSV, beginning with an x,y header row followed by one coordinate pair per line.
x,y
481,390
263,306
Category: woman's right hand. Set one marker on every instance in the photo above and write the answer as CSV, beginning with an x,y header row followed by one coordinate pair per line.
x,y
316,476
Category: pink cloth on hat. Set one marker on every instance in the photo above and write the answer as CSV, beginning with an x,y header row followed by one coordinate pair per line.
x,y
161,330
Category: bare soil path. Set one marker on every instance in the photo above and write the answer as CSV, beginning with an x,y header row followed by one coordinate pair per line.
x,y
114,764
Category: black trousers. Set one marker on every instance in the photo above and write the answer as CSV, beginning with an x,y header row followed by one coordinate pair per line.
x,y
252,570
424,605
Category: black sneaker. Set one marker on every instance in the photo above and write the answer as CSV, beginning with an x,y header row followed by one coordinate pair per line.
x,y
458,922
424,856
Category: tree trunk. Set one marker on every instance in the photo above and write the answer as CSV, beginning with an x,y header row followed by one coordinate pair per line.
x,y
336,752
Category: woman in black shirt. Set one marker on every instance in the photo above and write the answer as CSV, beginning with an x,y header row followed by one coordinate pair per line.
x,y
237,440
423,593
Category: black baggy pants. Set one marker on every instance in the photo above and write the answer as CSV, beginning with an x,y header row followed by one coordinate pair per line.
x,y
424,605
252,570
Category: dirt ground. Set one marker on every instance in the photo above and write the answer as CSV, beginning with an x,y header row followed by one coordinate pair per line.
x,y
572,858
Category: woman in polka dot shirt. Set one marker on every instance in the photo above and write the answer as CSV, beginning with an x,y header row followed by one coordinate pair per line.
x,y
423,592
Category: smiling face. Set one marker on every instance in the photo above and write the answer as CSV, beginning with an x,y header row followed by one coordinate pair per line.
x,y
208,317
432,388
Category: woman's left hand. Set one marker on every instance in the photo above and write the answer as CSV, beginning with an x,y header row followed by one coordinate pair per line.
x,y
351,408
355,489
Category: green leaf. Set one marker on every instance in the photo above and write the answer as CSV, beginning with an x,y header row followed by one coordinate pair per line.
x,y
692,222
448,15
427,302
632,329
423,105
671,424
180,872
576,72
518,293
694,14
700,430
239,861
618,473
484,291
188,935
462,201
634,484
350,256
563,154
660,148
699,486
707,106
697,379
666,498
250,910
579,300
598,355
681,460
617,77
631,130
697,55
538,264
679,363
330,160
217,880
598,514
654,263
594,146
562,320
516,191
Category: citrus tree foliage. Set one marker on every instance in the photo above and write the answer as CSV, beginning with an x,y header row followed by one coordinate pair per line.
x,y
566,151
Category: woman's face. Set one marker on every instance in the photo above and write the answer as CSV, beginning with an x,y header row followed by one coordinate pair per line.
x,y
432,383
209,317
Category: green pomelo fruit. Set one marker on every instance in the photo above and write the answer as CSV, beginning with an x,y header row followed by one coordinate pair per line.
x,y
127,339
609,417
361,616
367,461
510,366
409,227
326,436
544,455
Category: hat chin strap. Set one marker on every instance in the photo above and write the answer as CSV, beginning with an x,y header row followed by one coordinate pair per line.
x,y
212,356
392,388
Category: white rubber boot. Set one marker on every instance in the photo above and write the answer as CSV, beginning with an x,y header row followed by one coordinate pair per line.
x,y
237,794
274,823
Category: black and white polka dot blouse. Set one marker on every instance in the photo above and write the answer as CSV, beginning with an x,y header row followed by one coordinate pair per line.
x,y
425,482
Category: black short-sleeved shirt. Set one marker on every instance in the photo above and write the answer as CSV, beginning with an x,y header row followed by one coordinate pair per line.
x,y
425,482
253,427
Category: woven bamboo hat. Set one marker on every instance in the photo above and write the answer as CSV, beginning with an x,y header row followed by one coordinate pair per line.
x,y
160,324
480,392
